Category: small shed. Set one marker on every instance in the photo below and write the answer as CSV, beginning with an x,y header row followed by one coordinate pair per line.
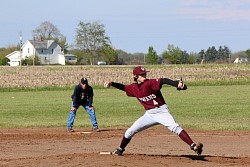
x,y
70,58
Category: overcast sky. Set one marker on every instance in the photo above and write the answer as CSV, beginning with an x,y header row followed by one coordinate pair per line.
x,y
134,25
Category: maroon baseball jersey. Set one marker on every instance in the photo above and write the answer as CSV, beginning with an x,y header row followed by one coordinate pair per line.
x,y
148,93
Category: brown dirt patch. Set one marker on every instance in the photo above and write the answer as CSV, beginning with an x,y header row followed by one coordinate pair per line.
x,y
153,147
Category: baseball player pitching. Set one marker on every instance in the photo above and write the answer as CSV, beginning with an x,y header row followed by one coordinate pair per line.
x,y
148,93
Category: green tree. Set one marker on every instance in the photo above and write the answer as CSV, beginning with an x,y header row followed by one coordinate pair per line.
x,y
201,57
151,56
91,38
223,54
191,58
110,55
4,60
123,57
248,53
29,60
4,52
173,54
184,58
211,54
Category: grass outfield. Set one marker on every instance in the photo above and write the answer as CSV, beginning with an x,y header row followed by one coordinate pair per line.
x,y
200,107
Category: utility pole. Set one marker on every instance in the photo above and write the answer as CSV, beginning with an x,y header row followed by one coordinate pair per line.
x,y
34,53
20,36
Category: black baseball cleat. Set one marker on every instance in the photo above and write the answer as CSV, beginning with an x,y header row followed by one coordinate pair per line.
x,y
70,130
119,151
197,148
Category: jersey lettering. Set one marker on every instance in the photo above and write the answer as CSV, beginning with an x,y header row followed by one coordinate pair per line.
x,y
147,98
148,93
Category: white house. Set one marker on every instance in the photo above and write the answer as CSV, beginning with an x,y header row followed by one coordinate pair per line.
x,y
240,60
14,58
48,51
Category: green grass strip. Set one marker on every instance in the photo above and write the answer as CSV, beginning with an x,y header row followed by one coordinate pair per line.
x,y
199,107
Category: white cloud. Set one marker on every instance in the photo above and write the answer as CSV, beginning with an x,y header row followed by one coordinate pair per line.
x,y
216,10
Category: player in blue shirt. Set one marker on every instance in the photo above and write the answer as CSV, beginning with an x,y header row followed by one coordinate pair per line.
x,y
82,96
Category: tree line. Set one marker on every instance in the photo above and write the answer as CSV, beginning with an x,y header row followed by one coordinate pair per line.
x,y
92,45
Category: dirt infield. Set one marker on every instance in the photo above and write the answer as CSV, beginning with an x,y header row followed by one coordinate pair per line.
x,y
153,147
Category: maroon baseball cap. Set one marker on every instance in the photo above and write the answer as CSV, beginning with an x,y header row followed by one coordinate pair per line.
x,y
139,70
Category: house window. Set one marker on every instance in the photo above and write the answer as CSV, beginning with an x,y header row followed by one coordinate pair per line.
x,y
42,50
28,50
52,51
69,58
45,58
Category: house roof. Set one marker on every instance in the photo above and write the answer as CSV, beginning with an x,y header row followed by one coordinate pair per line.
x,y
13,53
44,44
69,55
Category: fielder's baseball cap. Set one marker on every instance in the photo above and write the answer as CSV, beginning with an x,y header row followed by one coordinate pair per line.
x,y
139,70
84,81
